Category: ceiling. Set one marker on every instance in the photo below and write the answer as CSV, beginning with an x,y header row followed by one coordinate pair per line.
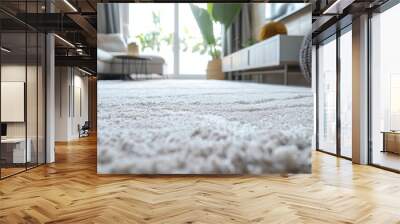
x,y
74,22
330,15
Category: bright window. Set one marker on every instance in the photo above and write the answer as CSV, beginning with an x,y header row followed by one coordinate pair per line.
x,y
152,27
327,96
385,87
193,63
346,94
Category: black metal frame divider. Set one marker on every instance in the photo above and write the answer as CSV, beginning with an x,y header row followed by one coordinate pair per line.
x,y
1,24
338,30
44,82
333,35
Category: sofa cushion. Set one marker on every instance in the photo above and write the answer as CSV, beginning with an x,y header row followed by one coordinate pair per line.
x,y
103,55
111,42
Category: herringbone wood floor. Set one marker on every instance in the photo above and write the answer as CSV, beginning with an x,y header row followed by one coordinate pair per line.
x,y
70,191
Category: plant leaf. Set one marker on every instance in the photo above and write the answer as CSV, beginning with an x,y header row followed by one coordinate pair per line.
x,y
210,9
225,13
204,22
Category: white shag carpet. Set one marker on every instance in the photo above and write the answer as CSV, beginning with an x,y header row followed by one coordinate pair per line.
x,y
203,127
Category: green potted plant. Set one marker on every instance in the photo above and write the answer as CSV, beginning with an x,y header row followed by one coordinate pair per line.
x,y
223,13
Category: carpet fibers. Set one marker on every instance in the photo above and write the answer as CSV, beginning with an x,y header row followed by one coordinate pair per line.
x,y
203,127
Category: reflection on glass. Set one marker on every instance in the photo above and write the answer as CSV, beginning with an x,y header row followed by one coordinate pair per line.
x,y
13,86
385,89
327,97
22,91
346,94
41,99
31,98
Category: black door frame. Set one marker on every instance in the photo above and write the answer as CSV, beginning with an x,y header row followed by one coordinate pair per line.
x,y
333,30
333,33
30,29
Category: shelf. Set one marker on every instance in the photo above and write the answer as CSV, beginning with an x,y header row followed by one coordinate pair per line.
x,y
276,51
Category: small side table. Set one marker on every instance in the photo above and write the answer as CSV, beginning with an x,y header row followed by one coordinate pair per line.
x,y
140,64
14,151
391,141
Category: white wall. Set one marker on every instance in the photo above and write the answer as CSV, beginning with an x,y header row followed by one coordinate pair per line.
x,y
299,23
257,18
12,73
71,102
61,103
80,109
13,101
34,125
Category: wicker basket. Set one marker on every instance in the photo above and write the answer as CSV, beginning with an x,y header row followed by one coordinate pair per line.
x,y
214,69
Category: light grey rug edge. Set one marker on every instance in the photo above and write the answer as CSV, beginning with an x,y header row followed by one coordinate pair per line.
x,y
203,127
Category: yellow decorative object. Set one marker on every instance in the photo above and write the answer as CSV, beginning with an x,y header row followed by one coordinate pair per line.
x,y
133,49
271,29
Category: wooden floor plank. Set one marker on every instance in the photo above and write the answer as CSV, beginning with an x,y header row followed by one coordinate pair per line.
x,y
70,191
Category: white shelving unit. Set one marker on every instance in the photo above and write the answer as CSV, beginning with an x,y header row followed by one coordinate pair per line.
x,y
273,55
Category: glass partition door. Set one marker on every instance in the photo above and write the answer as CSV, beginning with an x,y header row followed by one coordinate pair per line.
x,y
346,94
334,94
14,153
22,78
327,96
385,89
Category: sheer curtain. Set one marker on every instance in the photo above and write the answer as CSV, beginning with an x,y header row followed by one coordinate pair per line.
x,y
108,16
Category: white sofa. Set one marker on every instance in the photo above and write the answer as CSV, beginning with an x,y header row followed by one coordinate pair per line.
x,y
109,45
